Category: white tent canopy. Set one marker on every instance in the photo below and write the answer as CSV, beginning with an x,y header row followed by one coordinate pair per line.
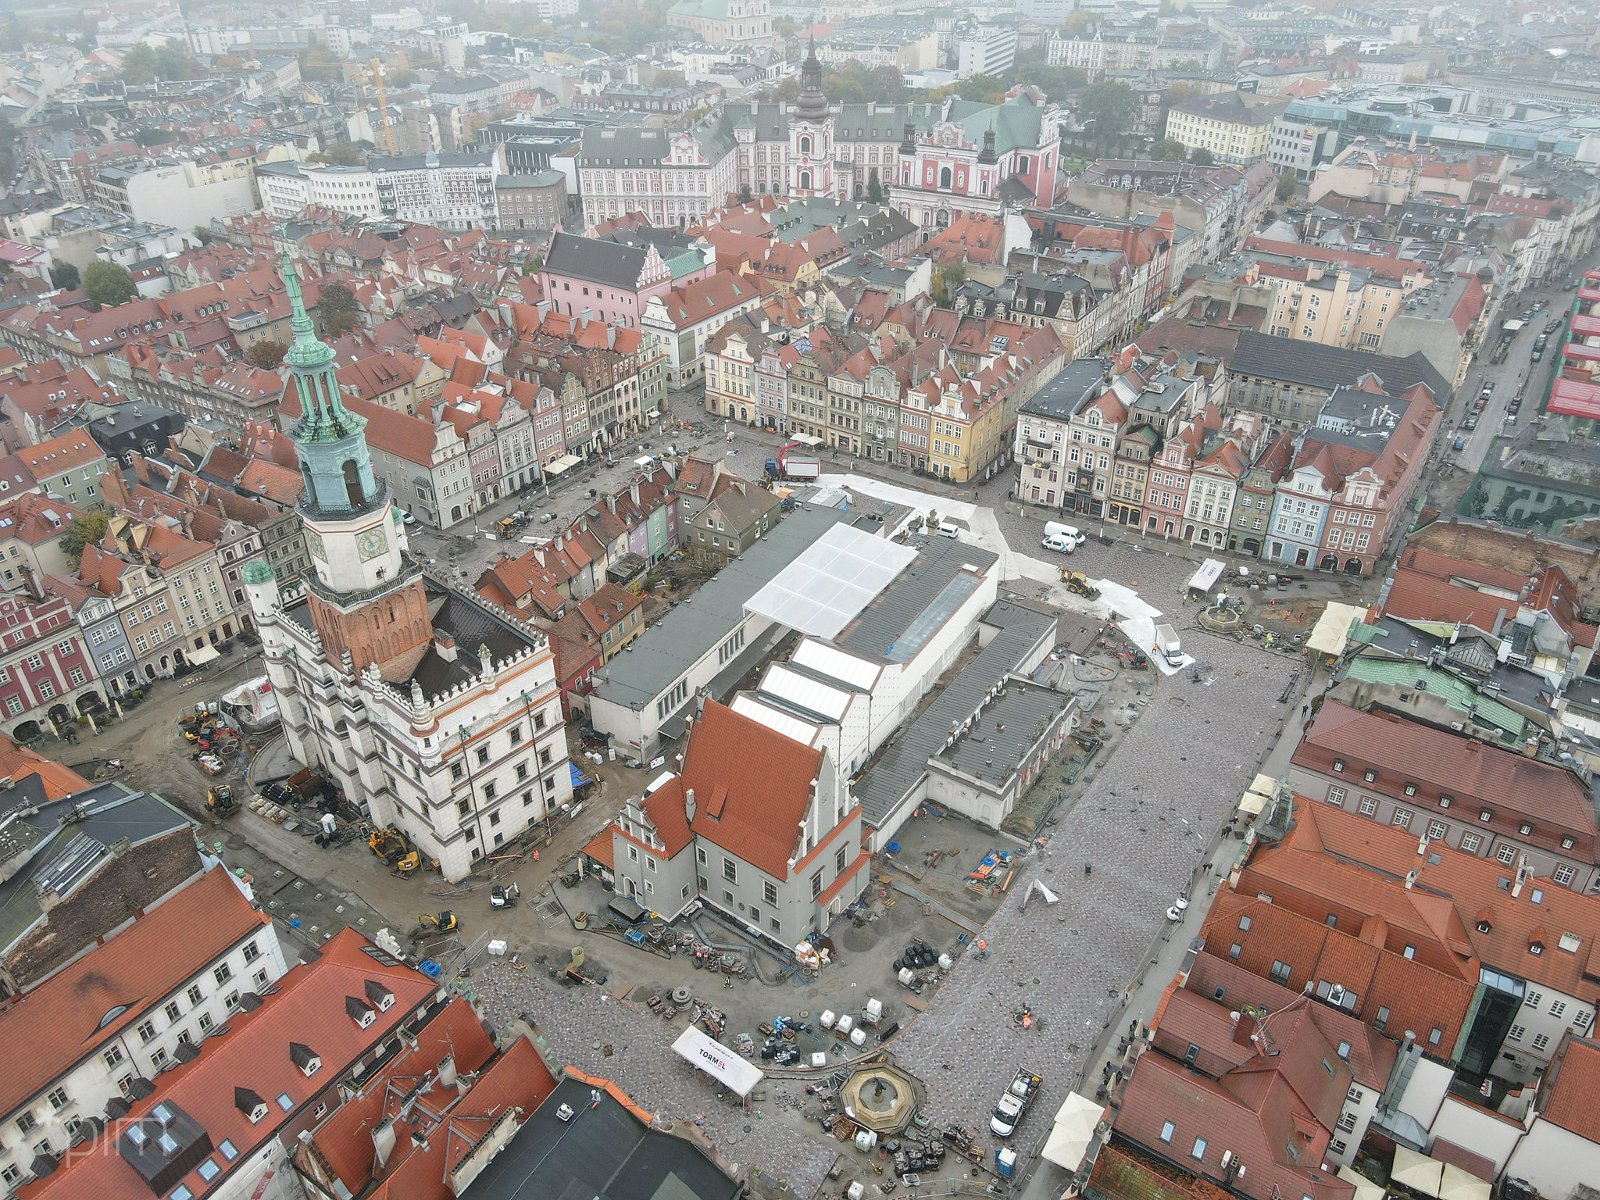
x,y
200,657
1073,1132
1206,577
1365,1188
717,1061
1331,634
1434,1178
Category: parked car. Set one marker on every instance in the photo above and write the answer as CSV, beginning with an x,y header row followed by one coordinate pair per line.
x,y
1470,423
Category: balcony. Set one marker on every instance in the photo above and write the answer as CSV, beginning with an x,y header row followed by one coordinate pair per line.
x,y
1039,454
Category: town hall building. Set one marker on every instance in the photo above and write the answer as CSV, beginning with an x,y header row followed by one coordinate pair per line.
x,y
430,710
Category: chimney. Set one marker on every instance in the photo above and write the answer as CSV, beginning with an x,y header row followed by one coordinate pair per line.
x,y
444,646
1411,879
383,1140
1244,1028
688,804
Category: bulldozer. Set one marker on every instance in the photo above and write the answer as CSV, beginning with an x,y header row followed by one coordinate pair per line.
x,y
1078,583
390,845
220,801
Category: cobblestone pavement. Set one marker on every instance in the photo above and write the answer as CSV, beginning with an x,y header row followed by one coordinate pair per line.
x,y
1145,824
579,1024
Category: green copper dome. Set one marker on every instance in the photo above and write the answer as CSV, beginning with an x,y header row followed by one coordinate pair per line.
x,y
257,570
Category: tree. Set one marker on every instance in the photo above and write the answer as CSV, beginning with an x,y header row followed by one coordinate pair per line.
x,y
1078,21
1106,110
145,64
983,89
1170,151
1203,158
339,154
337,310
65,275
670,78
83,531
533,265
154,137
267,354
1286,186
1054,82
108,285
947,282
874,187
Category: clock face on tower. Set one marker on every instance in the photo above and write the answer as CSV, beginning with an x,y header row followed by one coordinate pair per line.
x,y
372,543
314,544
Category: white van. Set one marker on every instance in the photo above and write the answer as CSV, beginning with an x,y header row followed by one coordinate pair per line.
x,y
1059,542
948,530
1071,532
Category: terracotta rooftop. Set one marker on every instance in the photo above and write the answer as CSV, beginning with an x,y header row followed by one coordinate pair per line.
x,y
65,1018
254,1063
1571,1097
752,787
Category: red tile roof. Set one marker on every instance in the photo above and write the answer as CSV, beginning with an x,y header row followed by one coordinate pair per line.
x,y
69,1015
1571,1098
1512,788
752,787
309,1007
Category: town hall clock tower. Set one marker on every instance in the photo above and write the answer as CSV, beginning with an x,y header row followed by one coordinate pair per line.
x,y
367,596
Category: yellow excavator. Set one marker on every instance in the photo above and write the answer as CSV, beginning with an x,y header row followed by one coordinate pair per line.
x,y
389,844
220,801
1078,582
427,923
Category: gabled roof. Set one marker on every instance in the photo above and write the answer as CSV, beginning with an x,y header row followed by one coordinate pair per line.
x,y
1571,1092
252,1058
598,260
106,991
752,787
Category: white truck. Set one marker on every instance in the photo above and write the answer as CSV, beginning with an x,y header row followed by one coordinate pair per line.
x,y
1167,643
1014,1102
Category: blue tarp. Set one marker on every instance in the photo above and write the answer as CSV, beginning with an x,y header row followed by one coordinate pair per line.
x,y
579,779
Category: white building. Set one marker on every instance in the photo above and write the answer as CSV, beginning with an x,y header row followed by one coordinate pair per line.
x,y
125,1011
986,50
429,709
450,191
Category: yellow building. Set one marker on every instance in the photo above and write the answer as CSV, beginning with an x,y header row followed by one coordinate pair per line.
x,y
1235,127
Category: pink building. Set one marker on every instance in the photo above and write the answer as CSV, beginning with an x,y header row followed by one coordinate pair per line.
x,y
44,669
606,280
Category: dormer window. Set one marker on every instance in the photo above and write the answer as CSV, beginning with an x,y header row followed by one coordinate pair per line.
x,y
1338,764
304,1057
1369,775
362,1014
250,1104
1444,801
1566,843
1485,815
1484,927
1411,789
1525,829
379,995
1535,947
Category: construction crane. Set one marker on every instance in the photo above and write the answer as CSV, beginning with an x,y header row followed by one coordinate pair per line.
x,y
383,106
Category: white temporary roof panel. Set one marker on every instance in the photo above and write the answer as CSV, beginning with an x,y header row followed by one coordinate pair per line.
x,y
717,1061
1365,1188
790,726
199,658
836,664
821,698
836,577
1331,633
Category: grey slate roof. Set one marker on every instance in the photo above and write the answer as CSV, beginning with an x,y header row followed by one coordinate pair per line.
x,y
903,765
604,1153
1312,365
40,848
660,657
599,261
472,624
1061,398
918,600
992,749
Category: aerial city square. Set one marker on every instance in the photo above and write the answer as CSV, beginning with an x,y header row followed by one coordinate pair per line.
x,y
722,599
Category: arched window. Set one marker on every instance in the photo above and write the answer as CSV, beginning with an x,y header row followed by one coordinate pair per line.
x,y
805,143
944,179
805,181
352,483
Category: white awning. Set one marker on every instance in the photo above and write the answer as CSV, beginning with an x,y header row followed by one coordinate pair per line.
x,y
1206,577
1417,1171
1251,803
565,463
1365,1188
200,657
1458,1184
1331,634
717,1061
1074,1132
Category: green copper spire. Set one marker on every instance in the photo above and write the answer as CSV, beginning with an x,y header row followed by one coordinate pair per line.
x,y
323,416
